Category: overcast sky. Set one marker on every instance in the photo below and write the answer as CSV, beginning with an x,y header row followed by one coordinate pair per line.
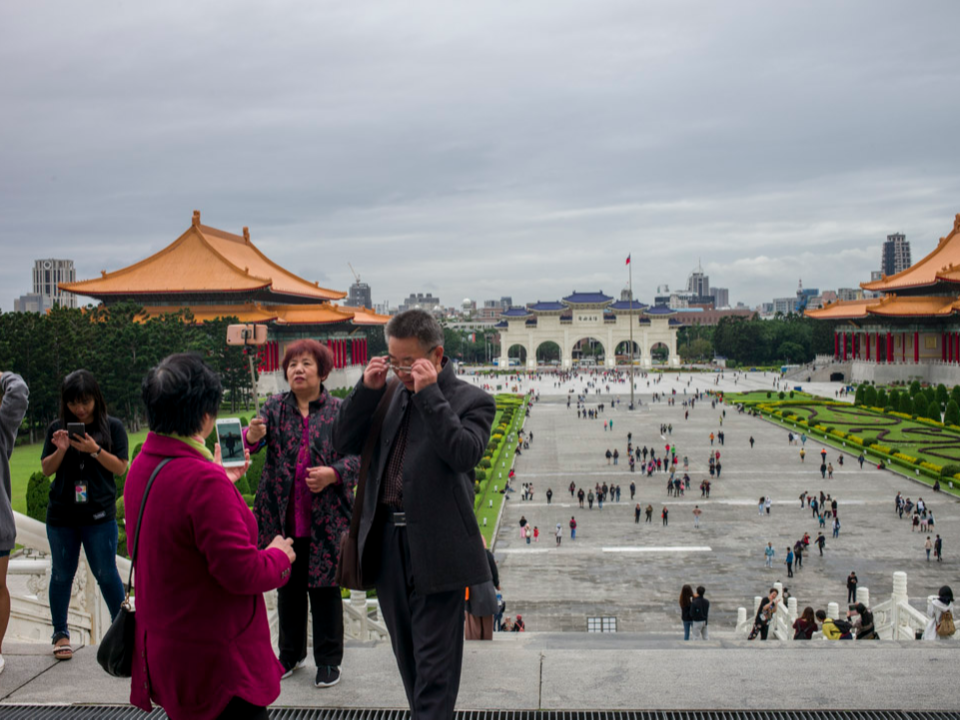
x,y
486,148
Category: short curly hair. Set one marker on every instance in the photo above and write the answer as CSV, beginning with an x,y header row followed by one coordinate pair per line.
x,y
321,354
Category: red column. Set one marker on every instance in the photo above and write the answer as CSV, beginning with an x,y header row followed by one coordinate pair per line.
x,y
916,348
903,347
878,347
889,347
366,350
844,346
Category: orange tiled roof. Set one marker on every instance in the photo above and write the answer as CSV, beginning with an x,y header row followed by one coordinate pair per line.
x,y
892,306
363,316
246,313
941,265
842,310
203,260
319,314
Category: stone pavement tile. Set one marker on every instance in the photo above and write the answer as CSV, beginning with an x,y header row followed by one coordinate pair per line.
x,y
820,675
495,675
24,663
77,681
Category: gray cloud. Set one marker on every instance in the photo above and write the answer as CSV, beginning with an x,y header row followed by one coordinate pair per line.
x,y
482,150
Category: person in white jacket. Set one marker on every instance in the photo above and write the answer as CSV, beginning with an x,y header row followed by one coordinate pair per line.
x,y
937,605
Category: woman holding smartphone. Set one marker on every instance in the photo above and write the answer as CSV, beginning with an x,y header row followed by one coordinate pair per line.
x,y
305,493
84,449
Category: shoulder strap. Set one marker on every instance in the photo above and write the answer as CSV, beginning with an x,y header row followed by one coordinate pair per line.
x,y
143,502
366,455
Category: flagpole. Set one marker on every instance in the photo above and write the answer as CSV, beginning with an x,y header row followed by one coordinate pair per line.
x,y
630,317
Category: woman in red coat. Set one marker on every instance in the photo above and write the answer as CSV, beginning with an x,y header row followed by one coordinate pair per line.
x,y
202,647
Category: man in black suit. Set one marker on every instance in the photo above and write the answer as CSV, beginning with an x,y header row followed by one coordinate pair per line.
x,y
419,540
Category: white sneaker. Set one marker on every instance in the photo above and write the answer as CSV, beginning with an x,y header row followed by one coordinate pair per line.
x,y
298,666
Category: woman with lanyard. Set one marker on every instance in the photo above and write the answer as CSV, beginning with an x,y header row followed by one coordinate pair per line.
x,y
82,509
306,492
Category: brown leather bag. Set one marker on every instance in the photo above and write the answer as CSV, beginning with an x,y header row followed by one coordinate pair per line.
x,y
349,567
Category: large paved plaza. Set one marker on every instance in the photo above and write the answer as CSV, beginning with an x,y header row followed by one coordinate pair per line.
x,y
634,571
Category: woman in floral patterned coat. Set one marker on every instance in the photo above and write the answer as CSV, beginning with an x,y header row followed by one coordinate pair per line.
x,y
306,492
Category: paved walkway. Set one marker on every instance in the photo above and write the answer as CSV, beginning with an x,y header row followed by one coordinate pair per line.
x,y
580,672
634,572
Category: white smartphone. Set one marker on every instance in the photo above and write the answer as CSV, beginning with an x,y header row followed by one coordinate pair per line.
x,y
230,437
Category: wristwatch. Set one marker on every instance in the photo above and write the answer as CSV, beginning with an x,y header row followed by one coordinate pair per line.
x,y
97,453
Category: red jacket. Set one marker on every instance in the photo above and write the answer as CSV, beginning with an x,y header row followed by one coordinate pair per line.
x,y
202,632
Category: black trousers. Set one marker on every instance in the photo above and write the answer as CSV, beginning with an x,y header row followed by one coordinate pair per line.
x,y
426,631
326,609
240,709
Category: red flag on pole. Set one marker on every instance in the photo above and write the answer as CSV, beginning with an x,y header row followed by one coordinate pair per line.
x,y
628,259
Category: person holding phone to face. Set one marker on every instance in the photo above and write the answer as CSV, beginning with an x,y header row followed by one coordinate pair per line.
x,y
84,449
305,493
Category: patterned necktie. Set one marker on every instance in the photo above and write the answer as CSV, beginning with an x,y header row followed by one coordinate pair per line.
x,y
393,482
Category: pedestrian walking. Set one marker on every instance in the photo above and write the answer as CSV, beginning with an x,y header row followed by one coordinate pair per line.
x,y
789,562
836,527
938,548
928,546
852,582
573,528
697,512
666,513
820,541
699,614
649,514
559,534
686,599
636,519
768,553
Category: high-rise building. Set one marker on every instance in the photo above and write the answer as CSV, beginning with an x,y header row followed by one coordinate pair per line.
x,y
506,302
896,254
47,276
421,302
721,297
847,294
698,283
359,296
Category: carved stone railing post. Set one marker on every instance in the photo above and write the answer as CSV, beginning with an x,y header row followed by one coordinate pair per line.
x,y
863,596
833,611
358,599
898,596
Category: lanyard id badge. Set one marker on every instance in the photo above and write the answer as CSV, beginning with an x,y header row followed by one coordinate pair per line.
x,y
80,495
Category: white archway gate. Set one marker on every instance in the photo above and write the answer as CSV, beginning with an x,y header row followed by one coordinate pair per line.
x,y
588,315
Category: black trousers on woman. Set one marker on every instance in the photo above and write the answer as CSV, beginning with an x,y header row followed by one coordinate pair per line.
x,y
326,609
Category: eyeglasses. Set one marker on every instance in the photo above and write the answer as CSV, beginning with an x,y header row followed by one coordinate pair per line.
x,y
406,369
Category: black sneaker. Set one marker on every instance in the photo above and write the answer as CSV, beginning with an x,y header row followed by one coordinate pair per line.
x,y
288,670
328,675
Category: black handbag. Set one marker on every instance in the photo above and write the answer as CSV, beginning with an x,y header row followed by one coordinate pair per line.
x,y
115,653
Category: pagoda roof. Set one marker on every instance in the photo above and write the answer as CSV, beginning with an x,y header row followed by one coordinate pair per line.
x,y
502,324
843,310
319,314
546,306
659,311
203,260
587,298
628,305
890,306
675,323
515,312
941,265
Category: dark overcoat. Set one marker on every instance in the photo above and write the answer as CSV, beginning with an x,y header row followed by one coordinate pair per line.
x,y
448,433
